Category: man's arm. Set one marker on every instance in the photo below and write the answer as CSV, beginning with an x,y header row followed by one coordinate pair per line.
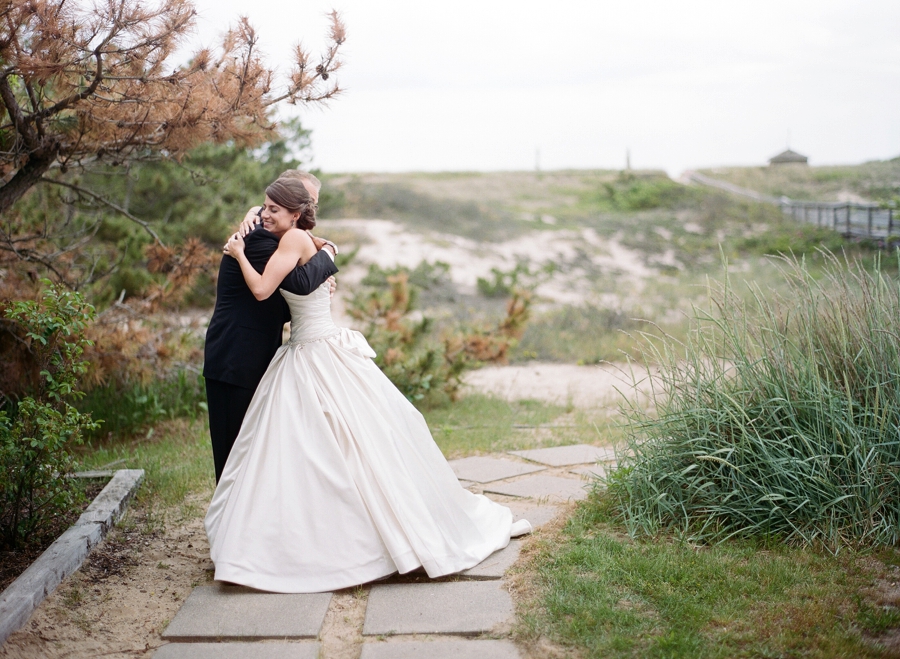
x,y
309,276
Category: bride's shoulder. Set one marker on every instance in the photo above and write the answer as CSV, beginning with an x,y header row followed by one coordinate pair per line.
x,y
296,238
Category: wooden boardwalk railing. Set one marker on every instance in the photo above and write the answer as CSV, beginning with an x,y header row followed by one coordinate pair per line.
x,y
849,218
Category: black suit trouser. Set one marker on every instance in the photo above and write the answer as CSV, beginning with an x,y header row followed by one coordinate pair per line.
x,y
227,404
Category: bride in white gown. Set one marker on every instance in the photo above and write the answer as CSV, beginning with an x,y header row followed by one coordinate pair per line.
x,y
334,479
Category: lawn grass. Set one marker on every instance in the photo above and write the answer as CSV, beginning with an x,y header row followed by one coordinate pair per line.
x,y
485,424
600,594
177,459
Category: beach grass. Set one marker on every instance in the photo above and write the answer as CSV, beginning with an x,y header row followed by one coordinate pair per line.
x,y
777,417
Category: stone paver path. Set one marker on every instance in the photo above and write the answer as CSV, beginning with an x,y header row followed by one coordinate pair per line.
x,y
441,607
244,613
551,488
483,469
562,456
406,616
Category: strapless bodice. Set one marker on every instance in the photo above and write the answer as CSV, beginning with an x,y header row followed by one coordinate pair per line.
x,y
311,315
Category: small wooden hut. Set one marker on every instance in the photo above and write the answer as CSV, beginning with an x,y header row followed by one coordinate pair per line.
x,y
788,157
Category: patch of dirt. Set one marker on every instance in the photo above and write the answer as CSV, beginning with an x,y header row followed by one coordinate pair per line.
x,y
341,634
122,598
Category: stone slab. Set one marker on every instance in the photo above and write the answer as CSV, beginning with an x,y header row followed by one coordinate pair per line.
x,y
233,612
590,472
450,607
62,558
97,473
112,500
301,650
441,649
537,514
482,469
551,488
496,565
563,456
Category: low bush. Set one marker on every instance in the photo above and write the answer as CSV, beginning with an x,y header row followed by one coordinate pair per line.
x,y
636,192
424,363
777,418
39,430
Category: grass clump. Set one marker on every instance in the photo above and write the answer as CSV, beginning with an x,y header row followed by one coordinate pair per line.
x,y
585,334
778,417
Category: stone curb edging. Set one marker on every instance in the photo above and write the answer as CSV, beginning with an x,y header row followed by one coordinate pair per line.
x,y
67,553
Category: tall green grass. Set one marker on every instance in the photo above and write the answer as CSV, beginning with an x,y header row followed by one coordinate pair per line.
x,y
777,417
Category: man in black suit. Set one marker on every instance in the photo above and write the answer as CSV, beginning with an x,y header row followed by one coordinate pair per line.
x,y
244,334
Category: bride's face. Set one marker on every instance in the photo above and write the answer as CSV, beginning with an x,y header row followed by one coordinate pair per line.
x,y
277,219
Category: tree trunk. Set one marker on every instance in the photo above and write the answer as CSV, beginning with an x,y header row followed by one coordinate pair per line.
x,y
29,174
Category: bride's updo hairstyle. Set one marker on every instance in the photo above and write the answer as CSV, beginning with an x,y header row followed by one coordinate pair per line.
x,y
290,194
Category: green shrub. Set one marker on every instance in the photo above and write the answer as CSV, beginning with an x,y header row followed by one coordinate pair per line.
x,y
779,418
424,364
505,283
636,192
38,431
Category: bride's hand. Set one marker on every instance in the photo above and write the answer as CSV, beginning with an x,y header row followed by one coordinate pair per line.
x,y
234,246
251,219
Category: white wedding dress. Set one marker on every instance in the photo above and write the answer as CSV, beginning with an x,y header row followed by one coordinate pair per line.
x,y
334,479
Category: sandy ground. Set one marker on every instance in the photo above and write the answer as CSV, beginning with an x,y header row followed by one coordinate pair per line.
x,y
389,244
599,386
122,598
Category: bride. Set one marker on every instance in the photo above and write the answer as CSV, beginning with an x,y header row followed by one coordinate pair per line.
x,y
334,479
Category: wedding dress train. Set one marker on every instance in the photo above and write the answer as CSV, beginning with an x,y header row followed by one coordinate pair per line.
x,y
335,480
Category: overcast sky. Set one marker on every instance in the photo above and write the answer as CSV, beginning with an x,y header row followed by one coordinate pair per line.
x,y
486,84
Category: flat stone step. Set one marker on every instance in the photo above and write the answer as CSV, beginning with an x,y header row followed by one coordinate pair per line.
x,y
234,612
440,649
563,456
481,469
590,472
454,607
551,488
261,650
537,514
496,565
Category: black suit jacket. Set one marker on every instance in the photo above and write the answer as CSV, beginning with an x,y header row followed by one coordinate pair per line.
x,y
244,332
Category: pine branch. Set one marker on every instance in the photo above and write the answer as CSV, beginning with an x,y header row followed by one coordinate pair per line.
x,y
106,202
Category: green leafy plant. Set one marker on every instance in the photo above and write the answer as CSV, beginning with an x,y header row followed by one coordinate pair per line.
x,y
38,430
